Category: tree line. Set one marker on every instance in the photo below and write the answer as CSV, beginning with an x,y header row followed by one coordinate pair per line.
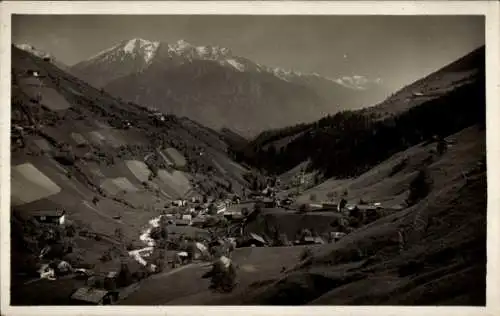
x,y
349,143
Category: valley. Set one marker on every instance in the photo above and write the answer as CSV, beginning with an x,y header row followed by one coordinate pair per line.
x,y
127,189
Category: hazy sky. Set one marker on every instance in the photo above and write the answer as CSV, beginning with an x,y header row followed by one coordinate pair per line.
x,y
398,49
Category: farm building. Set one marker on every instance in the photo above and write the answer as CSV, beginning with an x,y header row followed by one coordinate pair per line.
x,y
329,206
43,211
56,216
267,203
335,236
93,296
182,222
309,240
33,73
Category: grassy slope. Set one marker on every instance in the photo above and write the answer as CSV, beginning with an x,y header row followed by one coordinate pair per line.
x,y
448,257
456,74
92,110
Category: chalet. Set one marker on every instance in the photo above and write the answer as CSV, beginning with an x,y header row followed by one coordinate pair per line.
x,y
82,274
365,210
187,217
235,199
182,222
179,203
62,267
267,203
335,236
46,272
110,281
158,116
329,206
126,124
309,240
315,207
196,199
93,296
49,216
220,207
198,221
33,73
234,215
200,251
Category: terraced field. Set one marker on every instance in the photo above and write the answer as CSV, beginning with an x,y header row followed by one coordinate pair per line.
x,y
29,184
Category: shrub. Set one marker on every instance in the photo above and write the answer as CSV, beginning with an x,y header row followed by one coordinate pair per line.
x,y
70,231
245,211
106,257
419,188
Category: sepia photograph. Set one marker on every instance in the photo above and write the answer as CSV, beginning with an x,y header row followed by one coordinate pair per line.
x,y
246,159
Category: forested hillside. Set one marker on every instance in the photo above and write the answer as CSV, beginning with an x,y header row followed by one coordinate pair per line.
x,y
350,142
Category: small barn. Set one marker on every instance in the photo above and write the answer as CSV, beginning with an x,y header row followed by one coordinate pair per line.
x,y
182,222
267,203
335,236
49,216
330,206
93,296
33,73
309,240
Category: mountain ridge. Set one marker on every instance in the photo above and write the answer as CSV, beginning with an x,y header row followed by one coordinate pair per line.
x,y
174,78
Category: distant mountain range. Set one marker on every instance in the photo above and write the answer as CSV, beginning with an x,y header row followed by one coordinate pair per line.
x,y
217,88
442,103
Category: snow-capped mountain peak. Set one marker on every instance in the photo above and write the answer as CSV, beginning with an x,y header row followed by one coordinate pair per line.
x,y
136,47
190,51
33,50
182,45
357,82
137,54
147,49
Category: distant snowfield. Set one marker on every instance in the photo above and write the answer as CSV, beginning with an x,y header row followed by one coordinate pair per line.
x,y
236,64
28,184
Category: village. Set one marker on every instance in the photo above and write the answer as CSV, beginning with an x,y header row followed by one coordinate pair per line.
x,y
199,230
